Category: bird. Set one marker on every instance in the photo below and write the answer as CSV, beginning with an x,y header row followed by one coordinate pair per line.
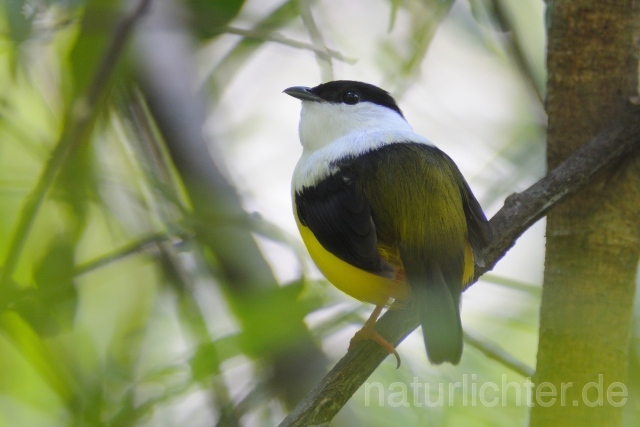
x,y
386,216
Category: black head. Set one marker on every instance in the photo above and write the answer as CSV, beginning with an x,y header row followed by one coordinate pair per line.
x,y
345,92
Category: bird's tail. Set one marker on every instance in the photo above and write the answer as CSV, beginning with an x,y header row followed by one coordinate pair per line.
x,y
439,313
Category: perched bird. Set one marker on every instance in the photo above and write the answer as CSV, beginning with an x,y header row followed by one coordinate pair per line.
x,y
386,216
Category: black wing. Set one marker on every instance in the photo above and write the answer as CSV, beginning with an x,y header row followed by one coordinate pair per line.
x,y
338,213
477,224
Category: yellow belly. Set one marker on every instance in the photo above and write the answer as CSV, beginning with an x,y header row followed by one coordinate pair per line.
x,y
361,284
351,280
418,197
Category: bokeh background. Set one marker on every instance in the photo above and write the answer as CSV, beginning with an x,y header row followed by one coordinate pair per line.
x,y
115,309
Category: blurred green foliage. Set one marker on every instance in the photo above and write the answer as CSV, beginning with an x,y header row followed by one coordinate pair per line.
x,y
113,313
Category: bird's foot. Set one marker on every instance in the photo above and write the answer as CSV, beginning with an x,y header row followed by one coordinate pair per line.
x,y
369,333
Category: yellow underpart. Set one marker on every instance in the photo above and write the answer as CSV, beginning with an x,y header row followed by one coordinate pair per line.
x,y
351,280
360,284
418,199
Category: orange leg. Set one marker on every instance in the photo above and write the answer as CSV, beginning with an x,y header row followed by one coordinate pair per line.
x,y
368,332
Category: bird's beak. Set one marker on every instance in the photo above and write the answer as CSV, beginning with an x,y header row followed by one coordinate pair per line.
x,y
303,93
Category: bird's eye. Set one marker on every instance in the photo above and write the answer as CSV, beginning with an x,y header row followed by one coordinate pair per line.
x,y
350,98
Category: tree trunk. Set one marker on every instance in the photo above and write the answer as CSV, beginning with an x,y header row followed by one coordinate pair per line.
x,y
593,239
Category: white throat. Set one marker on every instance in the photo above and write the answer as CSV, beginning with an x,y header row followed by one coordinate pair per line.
x,y
330,132
322,123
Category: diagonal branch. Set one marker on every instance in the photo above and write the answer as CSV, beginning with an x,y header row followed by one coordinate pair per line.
x,y
519,212
218,218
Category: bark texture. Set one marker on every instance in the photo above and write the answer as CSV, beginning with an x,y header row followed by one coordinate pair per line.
x,y
593,238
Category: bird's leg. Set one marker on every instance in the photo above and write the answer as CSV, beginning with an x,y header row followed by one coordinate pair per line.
x,y
368,332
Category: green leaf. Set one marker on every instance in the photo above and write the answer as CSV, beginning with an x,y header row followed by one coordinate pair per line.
x,y
395,5
18,20
97,25
36,353
51,308
77,183
205,362
229,67
212,16
272,320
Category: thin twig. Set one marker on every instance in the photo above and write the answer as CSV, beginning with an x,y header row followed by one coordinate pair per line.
x,y
76,130
325,54
497,353
515,47
324,61
517,285
424,29
133,248
519,212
